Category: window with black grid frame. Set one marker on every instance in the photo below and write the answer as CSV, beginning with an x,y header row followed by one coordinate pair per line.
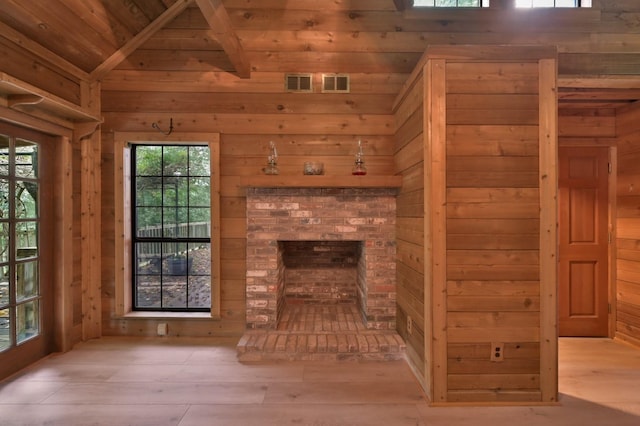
x,y
171,227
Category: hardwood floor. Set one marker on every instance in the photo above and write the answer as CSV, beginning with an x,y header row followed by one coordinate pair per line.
x,y
185,382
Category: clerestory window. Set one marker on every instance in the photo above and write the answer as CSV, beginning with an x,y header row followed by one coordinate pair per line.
x,y
518,3
552,3
451,3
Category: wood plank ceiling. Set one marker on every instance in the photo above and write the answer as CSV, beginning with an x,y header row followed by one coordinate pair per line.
x,y
85,33
91,37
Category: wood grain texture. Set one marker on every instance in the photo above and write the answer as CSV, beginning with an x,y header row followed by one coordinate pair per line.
x,y
182,73
484,234
627,284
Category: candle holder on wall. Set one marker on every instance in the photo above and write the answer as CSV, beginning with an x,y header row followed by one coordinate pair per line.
x,y
272,161
359,169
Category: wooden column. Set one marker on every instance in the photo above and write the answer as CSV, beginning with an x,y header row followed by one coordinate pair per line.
x,y
90,216
548,163
63,303
435,150
490,187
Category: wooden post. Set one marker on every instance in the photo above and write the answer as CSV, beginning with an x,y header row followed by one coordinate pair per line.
x,y
90,236
548,230
214,153
436,110
63,296
122,205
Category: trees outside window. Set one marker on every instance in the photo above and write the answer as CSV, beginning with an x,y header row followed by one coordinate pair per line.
x,y
19,241
171,215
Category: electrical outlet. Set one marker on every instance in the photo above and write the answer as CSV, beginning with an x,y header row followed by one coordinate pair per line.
x,y
409,325
497,352
163,329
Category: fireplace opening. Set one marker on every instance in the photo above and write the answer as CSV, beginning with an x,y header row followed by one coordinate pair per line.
x,y
321,272
323,285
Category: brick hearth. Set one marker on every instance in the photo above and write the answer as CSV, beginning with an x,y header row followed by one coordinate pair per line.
x,y
321,332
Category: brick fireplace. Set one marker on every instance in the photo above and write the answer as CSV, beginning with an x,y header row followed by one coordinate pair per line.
x,y
321,246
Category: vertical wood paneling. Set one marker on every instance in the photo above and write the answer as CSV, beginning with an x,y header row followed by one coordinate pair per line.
x,y
90,237
76,285
435,191
214,155
548,230
64,245
121,300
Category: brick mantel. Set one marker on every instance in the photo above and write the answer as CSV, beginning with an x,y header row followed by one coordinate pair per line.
x,y
278,214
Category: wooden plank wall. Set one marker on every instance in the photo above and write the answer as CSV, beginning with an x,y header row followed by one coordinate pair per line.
x,y
628,226
477,138
410,226
158,83
181,73
493,227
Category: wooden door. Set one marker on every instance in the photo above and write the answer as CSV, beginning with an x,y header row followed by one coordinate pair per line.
x,y
583,232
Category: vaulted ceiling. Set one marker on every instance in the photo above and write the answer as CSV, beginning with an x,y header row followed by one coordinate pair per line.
x,y
84,32
92,37
96,35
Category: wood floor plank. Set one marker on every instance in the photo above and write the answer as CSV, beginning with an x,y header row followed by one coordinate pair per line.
x,y
183,382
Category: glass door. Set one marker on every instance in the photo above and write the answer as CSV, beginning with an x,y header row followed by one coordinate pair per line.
x,y
25,302
19,242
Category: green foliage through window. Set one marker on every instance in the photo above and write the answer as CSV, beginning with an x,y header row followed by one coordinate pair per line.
x,y
172,227
19,241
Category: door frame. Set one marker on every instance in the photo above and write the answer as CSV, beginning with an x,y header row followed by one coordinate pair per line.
x,y
613,179
611,217
63,332
35,348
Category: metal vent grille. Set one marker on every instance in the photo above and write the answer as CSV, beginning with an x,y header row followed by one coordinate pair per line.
x,y
298,83
335,83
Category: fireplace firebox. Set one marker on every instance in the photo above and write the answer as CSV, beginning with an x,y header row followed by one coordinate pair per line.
x,y
321,246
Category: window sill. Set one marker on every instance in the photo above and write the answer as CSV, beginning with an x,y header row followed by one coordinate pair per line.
x,y
145,315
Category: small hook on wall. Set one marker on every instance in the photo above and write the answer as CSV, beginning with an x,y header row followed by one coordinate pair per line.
x,y
155,126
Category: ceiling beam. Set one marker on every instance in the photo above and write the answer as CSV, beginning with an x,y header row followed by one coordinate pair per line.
x,y
599,82
121,54
218,19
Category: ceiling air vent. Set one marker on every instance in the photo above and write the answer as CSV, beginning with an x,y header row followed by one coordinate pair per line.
x,y
298,83
335,83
